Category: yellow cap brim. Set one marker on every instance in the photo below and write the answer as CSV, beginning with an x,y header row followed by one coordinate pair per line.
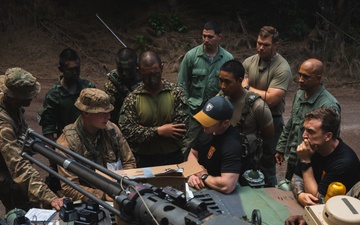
x,y
205,120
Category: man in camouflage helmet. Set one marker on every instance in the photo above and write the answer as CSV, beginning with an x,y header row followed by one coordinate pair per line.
x,y
20,184
122,80
93,136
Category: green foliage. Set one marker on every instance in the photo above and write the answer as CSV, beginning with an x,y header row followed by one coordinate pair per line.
x,y
157,22
160,23
141,43
177,24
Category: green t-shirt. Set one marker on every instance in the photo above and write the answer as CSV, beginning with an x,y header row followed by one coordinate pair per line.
x,y
275,73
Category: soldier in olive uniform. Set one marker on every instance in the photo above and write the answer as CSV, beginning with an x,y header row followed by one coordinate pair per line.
x,y
20,184
93,136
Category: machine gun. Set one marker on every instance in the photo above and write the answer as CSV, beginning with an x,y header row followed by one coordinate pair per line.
x,y
138,202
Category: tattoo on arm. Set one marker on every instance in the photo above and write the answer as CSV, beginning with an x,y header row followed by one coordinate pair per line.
x,y
297,185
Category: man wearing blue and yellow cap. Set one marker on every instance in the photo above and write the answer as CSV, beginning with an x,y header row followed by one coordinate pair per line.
x,y
217,148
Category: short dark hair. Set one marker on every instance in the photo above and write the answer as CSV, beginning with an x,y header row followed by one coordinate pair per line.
x,y
235,67
330,120
211,25
269,31
68,54
126,54
149,58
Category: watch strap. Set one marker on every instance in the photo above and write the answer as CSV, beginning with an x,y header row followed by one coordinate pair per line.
x,y
305,166
204,176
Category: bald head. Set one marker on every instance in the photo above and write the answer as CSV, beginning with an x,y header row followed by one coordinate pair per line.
x,y
313,66
150,70
310,74
149,58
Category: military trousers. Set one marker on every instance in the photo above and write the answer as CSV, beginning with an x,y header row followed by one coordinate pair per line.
x,y
267,160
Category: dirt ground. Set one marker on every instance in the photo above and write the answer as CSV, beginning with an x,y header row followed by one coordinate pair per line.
x,y
36,50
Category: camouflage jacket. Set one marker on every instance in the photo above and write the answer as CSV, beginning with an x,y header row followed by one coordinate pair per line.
x,y
117,89
12,164
58,108
142,114
114,148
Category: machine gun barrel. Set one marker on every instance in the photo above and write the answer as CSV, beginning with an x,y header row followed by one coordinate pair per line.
x,y
136,205
108,186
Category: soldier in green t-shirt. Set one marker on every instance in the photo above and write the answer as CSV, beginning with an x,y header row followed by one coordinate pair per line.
x,y
268,74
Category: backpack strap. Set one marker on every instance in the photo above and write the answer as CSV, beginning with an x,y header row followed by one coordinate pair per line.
x,y
250,98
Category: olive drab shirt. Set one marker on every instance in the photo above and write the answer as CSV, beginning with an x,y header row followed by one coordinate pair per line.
x,y
199,76
12,164
275,73
114,147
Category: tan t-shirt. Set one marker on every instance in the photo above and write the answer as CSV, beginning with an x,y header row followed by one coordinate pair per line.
x,y
275,73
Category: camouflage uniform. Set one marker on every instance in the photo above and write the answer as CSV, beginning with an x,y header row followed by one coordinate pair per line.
x,y
20,184
117,89
109,146
142,114
58,108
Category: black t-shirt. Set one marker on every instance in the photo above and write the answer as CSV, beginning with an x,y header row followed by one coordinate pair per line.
x,y
219,153
341,165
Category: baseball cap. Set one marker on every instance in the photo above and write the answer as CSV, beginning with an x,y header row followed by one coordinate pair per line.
x,y
93,100
20,84
216,109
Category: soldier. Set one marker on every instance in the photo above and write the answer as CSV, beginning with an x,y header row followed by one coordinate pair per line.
x,y
252,116
20,184
93,136
323,158
198,76
311,95
58,108
268,74
154,116
217,148
122,80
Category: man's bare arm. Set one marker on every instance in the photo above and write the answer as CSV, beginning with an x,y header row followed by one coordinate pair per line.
x,y
271,96
297,185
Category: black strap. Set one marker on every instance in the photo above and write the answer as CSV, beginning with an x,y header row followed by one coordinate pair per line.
x,y
250,98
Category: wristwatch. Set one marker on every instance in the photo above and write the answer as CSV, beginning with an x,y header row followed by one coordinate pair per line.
x,y
298,193
247,87
305,166
204,176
